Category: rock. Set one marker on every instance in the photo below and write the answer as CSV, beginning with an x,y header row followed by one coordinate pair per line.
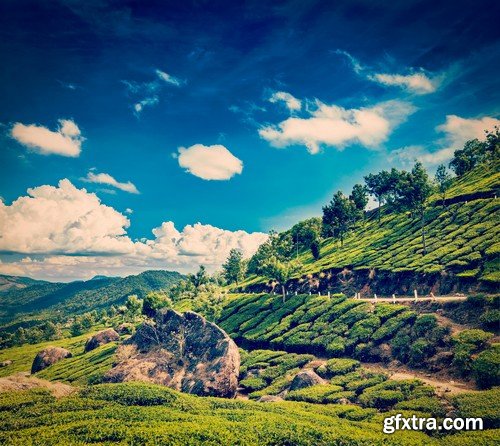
x,y
269,399
49,356
101,338
22,381
181,351
125,328
343,401
306,378
5,363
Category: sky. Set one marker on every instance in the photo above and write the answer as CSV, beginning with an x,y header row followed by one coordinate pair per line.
x,y
160,135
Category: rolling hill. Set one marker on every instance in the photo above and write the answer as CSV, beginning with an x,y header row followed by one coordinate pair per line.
x,y
42,300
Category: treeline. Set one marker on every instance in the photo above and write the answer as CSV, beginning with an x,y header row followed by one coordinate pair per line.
x,y
396,190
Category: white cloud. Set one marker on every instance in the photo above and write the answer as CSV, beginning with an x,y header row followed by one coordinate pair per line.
x,y
418,83
336,126
209,162
460,130
67,234
105,178
62,219
457,132
146,102
291,102
129,211
165,77
66,140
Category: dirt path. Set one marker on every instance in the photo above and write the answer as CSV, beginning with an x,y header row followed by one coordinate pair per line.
x,y
455,327
412,299
23,381
442,385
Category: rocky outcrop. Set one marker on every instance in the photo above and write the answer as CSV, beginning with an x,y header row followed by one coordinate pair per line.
x,y
306,378
49,356
101,338
181,351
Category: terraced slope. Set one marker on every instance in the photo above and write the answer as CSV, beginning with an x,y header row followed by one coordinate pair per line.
x,y
121,414
387,257
338,327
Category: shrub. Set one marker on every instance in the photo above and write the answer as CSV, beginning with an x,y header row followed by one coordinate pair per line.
x,y
485,405
314,394
337,366
381,399
486,367
427,404
253,383
424,324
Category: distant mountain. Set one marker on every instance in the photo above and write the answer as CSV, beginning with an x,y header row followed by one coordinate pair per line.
x,y
46,299
15,282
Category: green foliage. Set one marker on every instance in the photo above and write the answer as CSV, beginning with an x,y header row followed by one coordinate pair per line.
x,y
486,367
152,415
155,301
315,394
337,366
485,405
234,267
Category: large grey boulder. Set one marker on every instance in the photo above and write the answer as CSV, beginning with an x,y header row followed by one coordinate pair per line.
x,y
49,356
100,338
306,378
181,351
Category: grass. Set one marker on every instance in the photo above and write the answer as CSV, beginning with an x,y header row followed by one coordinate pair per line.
x,y
77,370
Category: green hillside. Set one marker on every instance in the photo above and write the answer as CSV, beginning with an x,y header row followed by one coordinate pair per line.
x,y
342,327
462,241
67,299
14,282
124,414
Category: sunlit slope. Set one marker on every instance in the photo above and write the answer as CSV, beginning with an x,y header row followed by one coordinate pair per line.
x,y
462,237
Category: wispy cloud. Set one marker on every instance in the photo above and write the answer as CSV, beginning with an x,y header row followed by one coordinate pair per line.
x,y
290,101
66,140
416,81
147,94
105,178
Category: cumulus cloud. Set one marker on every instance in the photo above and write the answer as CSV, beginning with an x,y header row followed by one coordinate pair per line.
x,y
460,130
105,178
291,102
332,125
457,132
66,140
209,162
67,233
62,219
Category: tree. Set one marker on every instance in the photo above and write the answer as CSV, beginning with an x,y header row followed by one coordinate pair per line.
x,y
443,181
359,196
316,249
382,185
464,160
133,305
338,216
305,233
155,301
277,245
412,192
200,278
281,271
234,268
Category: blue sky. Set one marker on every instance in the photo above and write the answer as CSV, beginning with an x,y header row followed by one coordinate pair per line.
x,y
243,116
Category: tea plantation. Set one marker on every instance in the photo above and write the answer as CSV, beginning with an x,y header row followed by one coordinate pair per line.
x,y
338,326
124,414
